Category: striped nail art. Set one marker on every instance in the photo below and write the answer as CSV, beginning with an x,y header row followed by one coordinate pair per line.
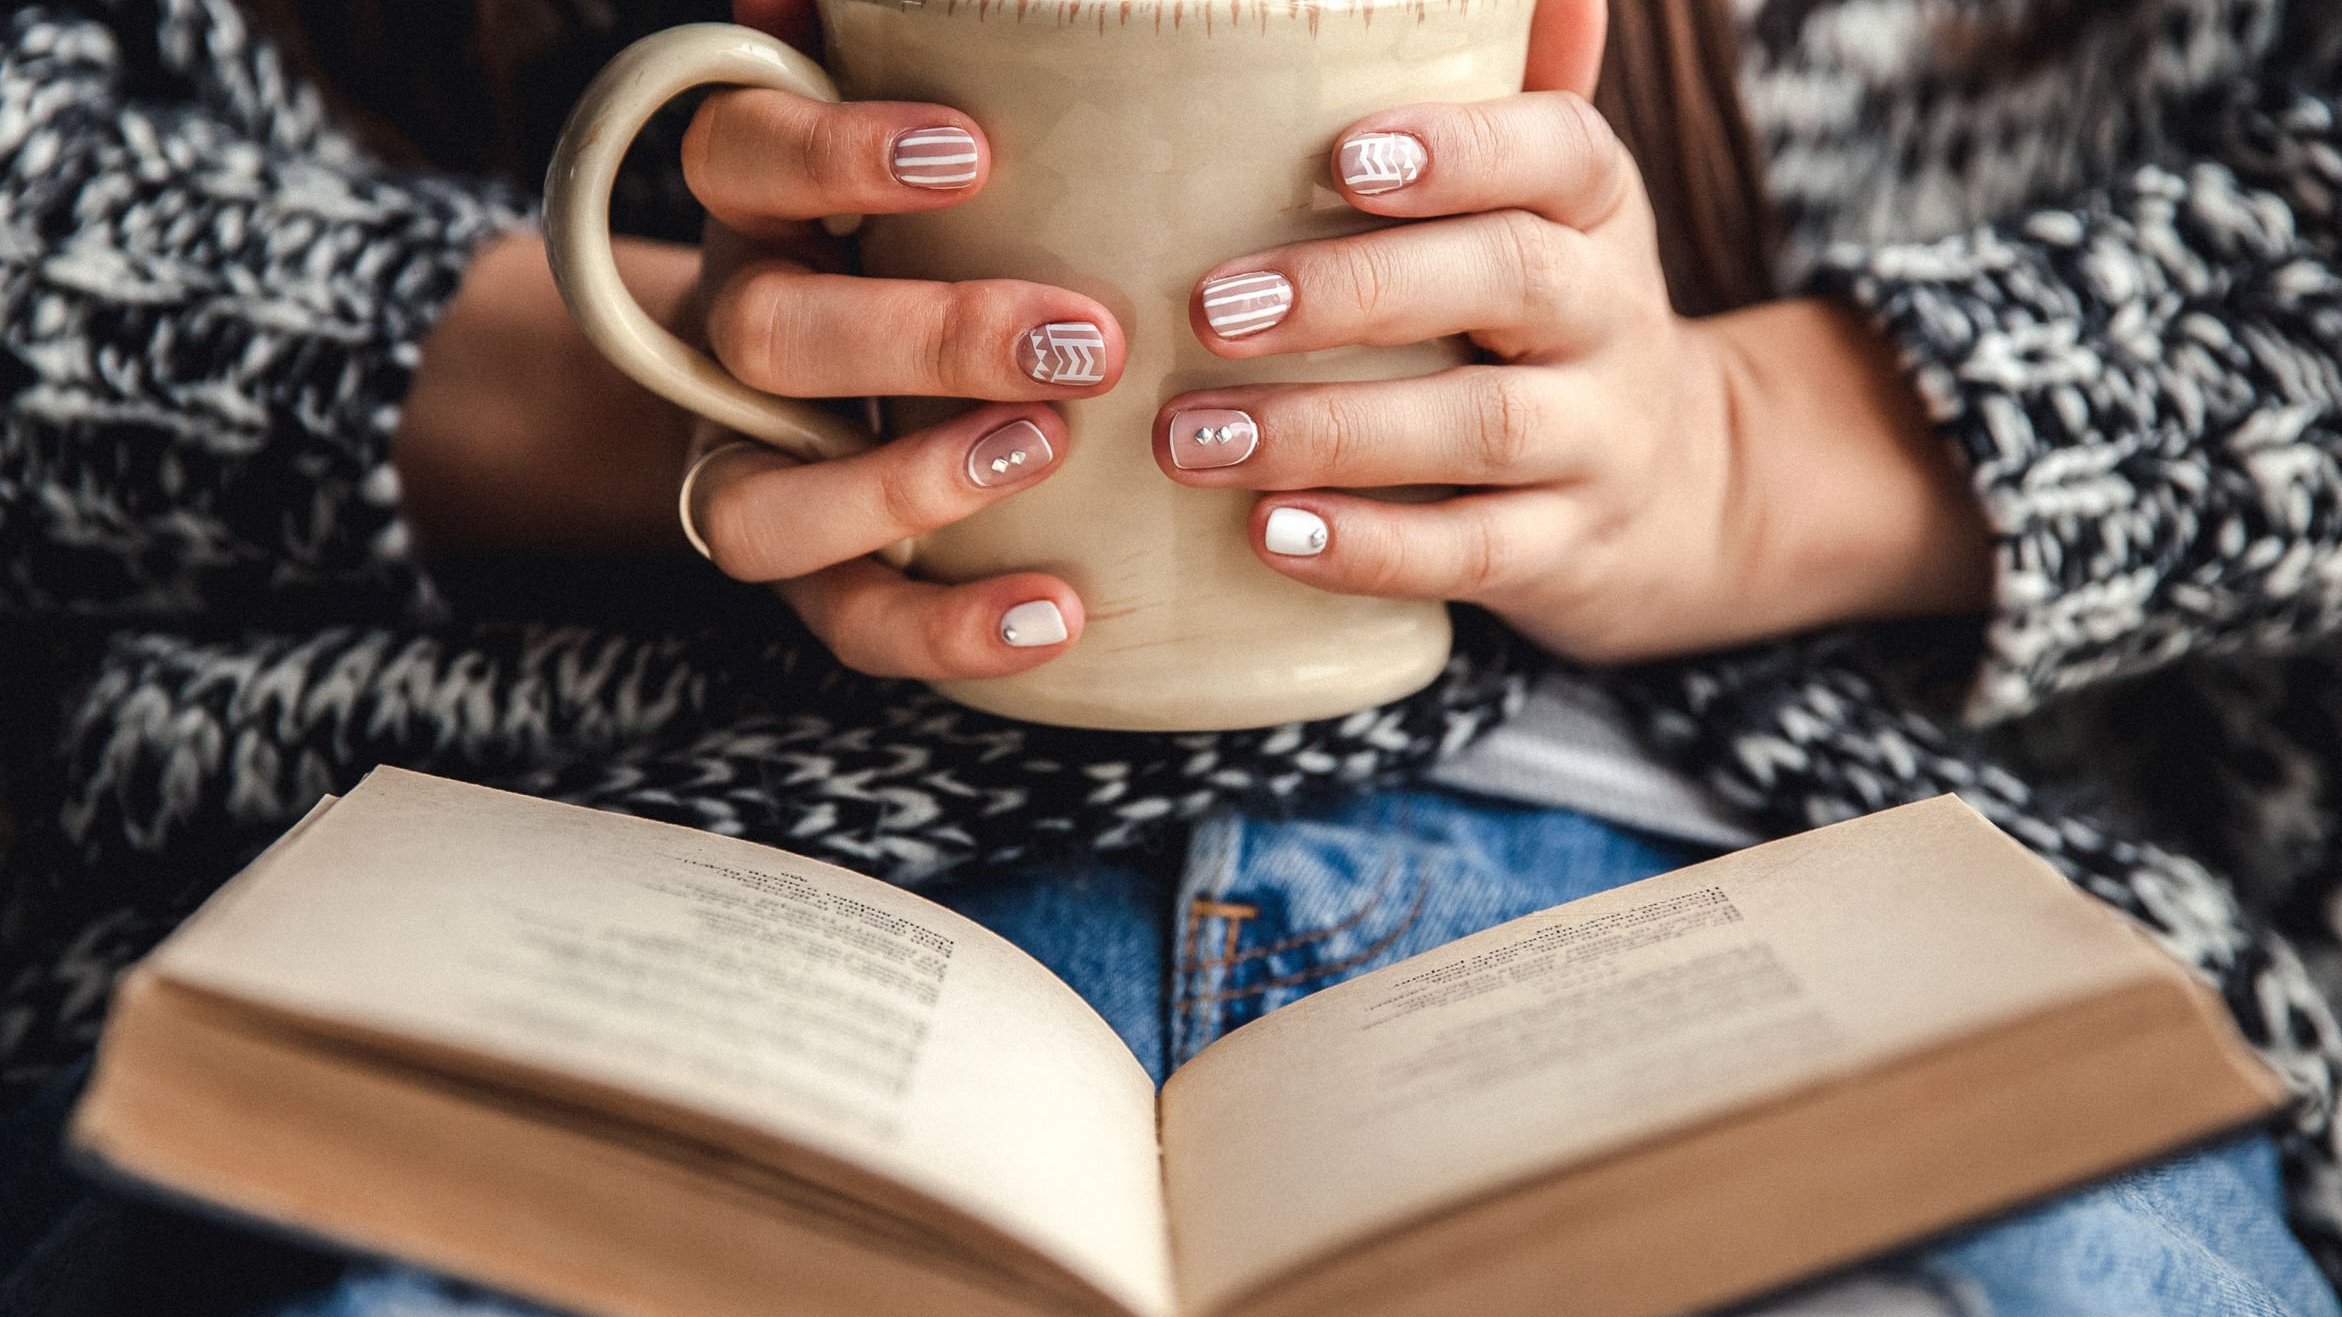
x,y
939,158
1071,352
1374,163
1242,304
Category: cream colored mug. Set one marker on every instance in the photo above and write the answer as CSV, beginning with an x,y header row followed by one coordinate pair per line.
x,y
1136,143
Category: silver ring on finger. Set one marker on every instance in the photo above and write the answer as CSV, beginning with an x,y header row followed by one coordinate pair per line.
x,y
690,483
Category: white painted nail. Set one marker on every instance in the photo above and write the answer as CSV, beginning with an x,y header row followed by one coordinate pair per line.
x,y
1032,625
1241,304
1295,533
1375,163
936,158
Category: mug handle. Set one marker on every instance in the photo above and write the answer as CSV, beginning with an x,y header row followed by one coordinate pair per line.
x,y
620,100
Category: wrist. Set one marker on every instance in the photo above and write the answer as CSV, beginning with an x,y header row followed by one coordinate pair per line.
x,y
1858,511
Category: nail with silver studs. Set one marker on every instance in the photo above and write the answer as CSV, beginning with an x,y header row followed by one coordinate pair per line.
x,y
1295,533
1033,625
1216,437
1014,452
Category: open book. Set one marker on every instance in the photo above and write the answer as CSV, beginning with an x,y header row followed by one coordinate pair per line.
x,y
631,1068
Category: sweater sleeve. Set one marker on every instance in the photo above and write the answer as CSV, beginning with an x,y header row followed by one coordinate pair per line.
x,y
2146,385
211,304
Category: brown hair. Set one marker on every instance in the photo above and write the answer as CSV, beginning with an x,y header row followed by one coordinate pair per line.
x,y
434,82
1671,88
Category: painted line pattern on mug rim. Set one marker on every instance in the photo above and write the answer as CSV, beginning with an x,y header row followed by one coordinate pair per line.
x,y
942,157
1241,304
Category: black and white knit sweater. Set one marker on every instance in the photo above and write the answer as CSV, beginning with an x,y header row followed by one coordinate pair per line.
x,y
2105,237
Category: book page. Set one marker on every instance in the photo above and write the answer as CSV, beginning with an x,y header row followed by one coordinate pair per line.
x,y
1556,1038
791,997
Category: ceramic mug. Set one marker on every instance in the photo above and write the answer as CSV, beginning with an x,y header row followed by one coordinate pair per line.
x,y
1135,143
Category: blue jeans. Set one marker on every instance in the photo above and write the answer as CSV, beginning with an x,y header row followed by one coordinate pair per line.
x,y
1268,910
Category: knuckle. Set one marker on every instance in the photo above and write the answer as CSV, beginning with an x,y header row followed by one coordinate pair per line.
x,y
1362,272
1530,250
913,505
964,316
1506,422
1586,140
1480,138
1330,428
829,143
741,542
1485,559
951,637
745,326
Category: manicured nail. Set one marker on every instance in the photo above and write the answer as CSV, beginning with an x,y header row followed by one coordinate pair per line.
x,y
938,158
1009,454
1242,304
1030,626
1375,163
1202,440
1295,533
1073,352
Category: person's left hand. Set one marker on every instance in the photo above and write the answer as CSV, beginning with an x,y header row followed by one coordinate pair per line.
x,y
1633,483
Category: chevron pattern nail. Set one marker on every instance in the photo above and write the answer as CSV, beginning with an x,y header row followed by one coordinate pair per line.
x,y
1242,304
1070,352
1374,163
938,158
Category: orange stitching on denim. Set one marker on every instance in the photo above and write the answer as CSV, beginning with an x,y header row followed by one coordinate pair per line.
x,y
1234,913
1381,944
1233,957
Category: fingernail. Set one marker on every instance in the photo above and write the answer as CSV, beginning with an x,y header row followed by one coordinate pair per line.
x,y
1030,626
1295,533
1009,454
938,158
1202,440
1242,304
1375,163
1073,352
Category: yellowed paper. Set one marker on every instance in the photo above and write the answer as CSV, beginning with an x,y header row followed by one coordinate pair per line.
x,y
1556,1037
781,994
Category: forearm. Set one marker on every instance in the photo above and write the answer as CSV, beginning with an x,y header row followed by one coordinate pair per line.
x,y
519,436
1857,510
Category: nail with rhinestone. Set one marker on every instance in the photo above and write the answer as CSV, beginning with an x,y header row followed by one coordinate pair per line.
x,y
1240,305
1032,625
1375,163
1208,438
1069,352
1295,533
1016,451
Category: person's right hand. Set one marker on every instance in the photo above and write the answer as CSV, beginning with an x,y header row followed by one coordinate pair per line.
x,y
781,318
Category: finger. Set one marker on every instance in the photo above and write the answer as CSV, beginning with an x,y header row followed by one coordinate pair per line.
x,y
883,623
764,517
1477,547
1515,279
755,156
1474,425
1549,153
781,328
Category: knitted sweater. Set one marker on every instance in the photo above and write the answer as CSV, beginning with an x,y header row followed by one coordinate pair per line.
x,y
2104,236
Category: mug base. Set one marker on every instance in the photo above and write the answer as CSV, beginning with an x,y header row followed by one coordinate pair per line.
x,y
1203,698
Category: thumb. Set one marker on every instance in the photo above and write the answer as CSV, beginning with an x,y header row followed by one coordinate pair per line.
x,y
793,21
